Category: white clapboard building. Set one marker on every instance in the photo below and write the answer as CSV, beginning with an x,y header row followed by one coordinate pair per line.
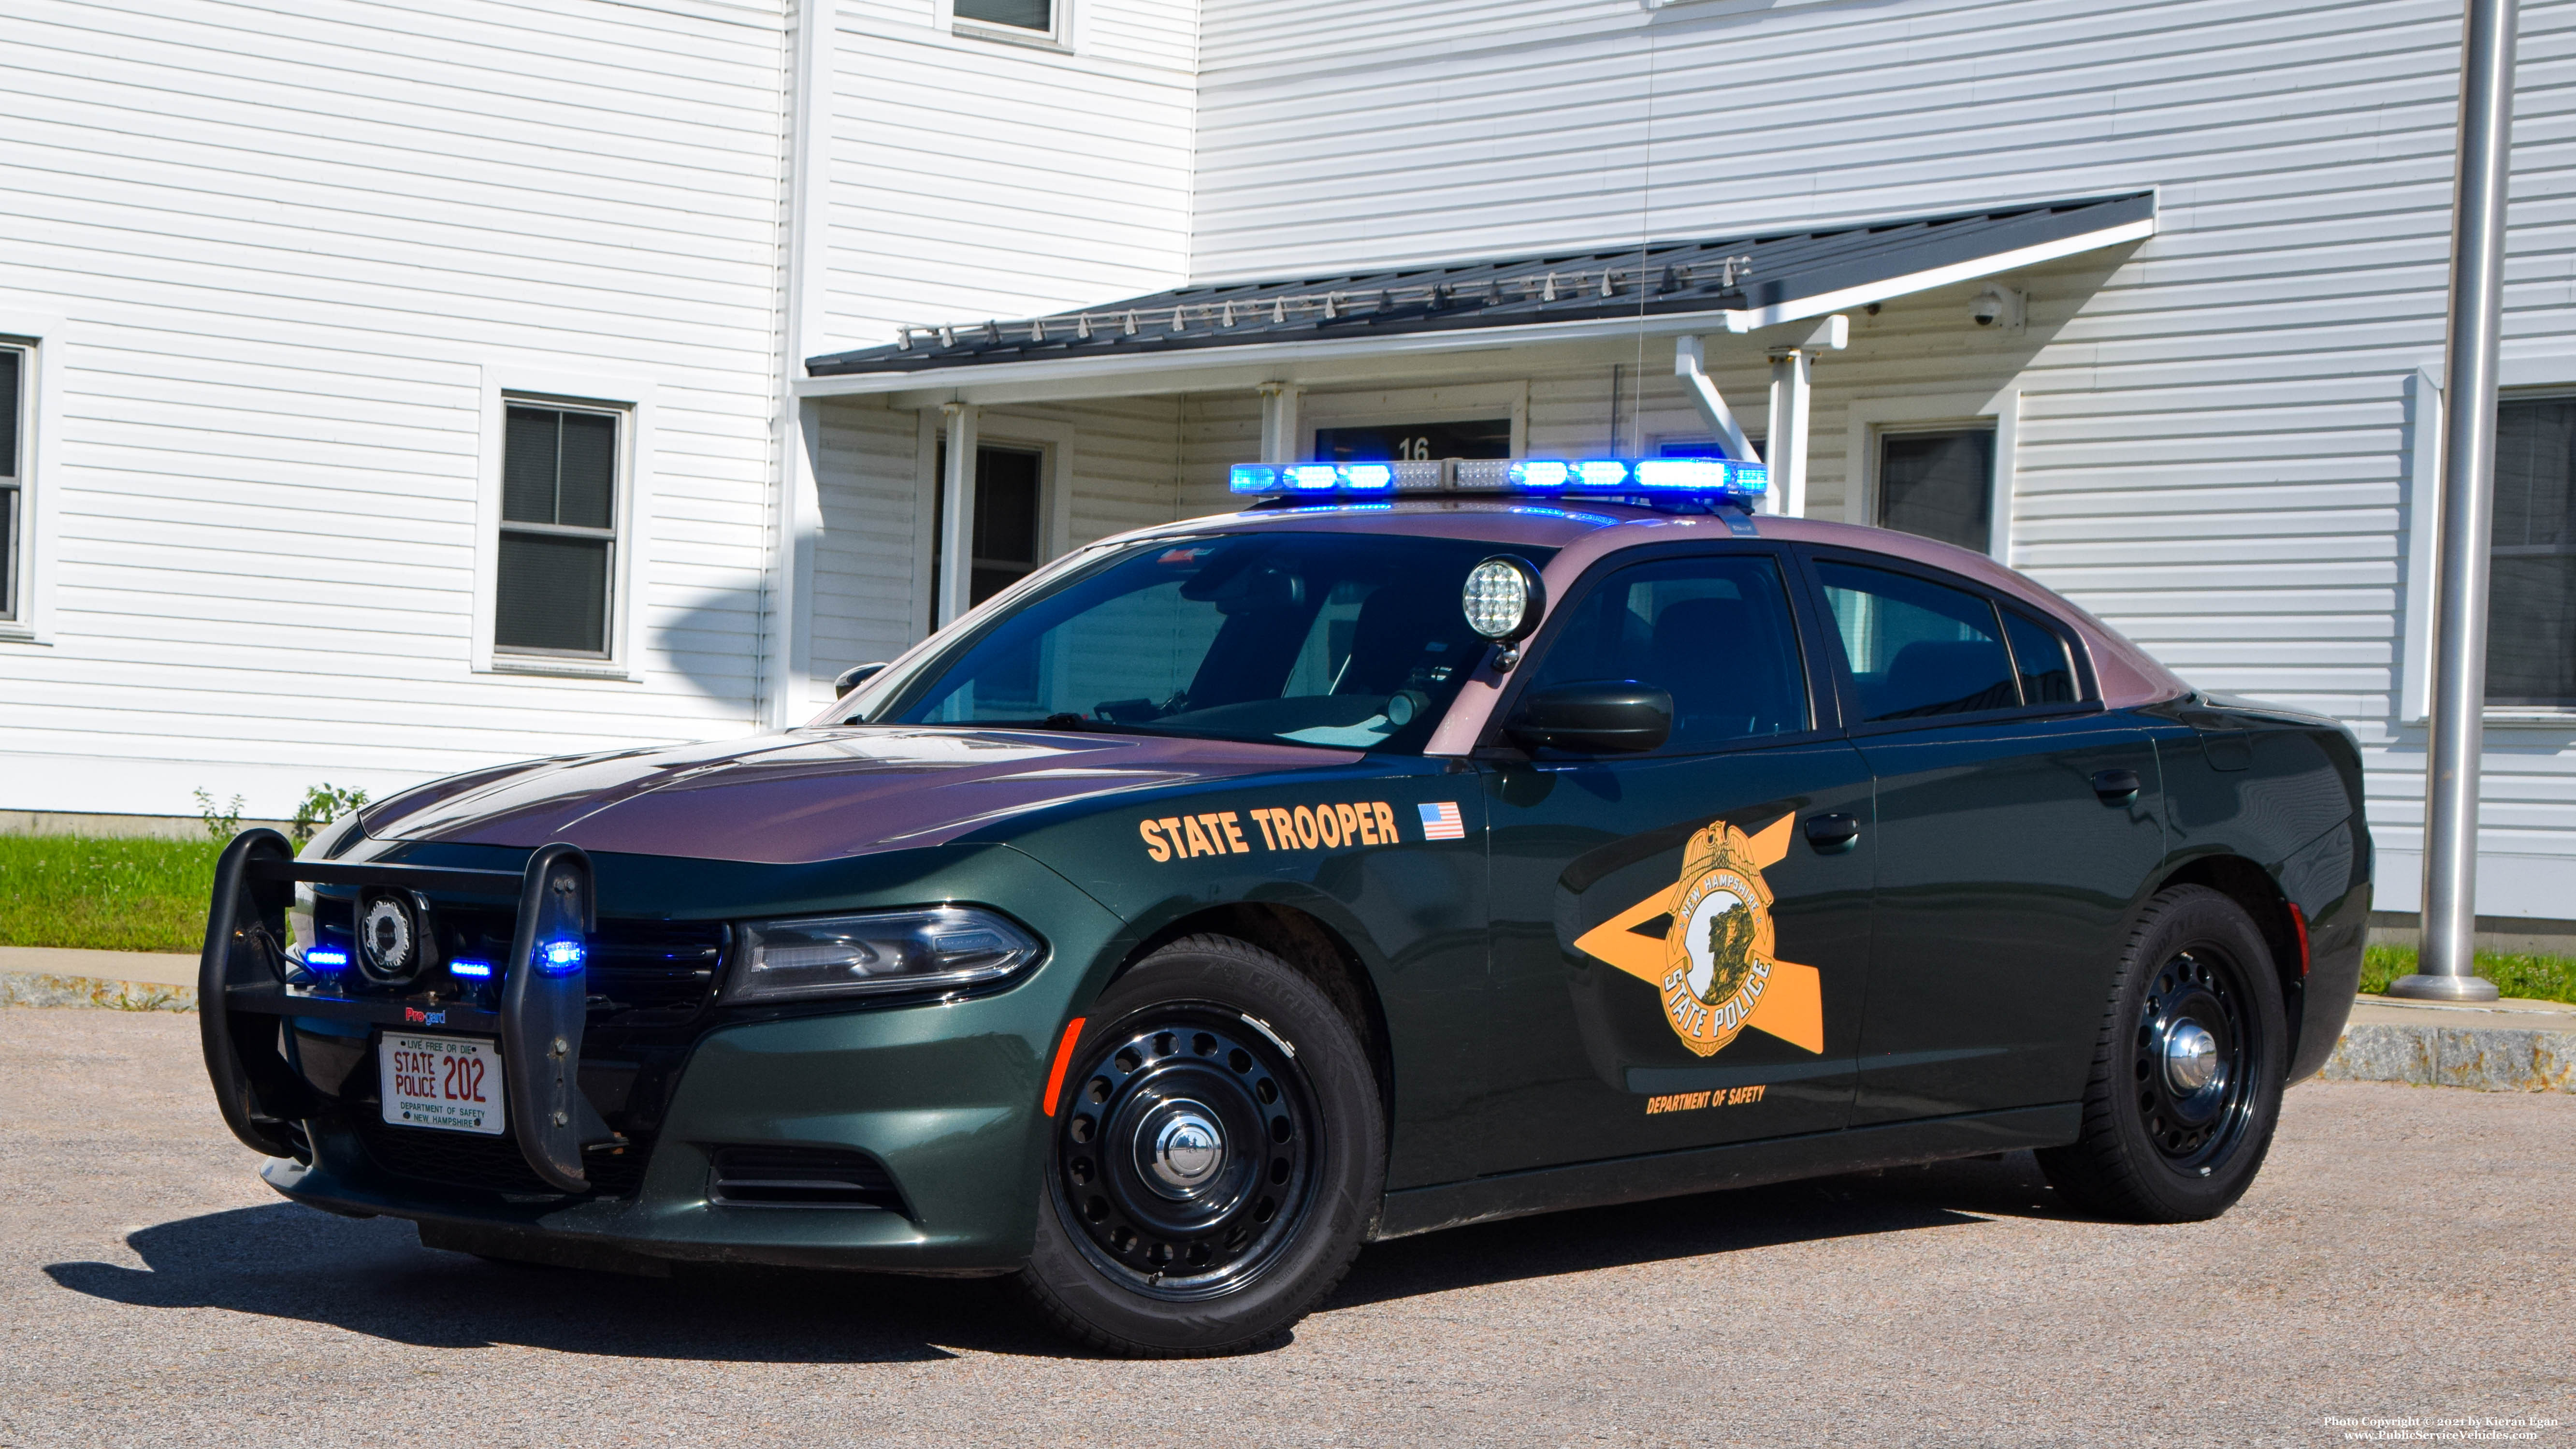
x,y
400,386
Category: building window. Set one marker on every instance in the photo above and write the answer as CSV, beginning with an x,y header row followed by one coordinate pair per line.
x,y
1389,442
1009,519
2531,637
14,373
1037,15
558,531
1939,485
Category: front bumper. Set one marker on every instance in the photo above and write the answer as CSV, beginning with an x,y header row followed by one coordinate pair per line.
x,y
944,1095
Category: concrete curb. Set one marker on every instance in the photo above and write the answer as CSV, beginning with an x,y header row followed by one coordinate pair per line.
x,y
2431,1053
35,988
2483,1059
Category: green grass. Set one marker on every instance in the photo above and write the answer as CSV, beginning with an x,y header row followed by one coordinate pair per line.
x,y
2534,978
105,894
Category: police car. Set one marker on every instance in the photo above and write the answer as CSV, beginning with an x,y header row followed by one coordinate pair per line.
x,y
1427,843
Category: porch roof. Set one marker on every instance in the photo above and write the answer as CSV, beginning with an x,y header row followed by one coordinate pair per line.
x,y
1735,284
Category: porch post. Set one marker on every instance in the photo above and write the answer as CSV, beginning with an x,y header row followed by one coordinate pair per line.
x,y
1793,380
1792,374
957,514
1279,422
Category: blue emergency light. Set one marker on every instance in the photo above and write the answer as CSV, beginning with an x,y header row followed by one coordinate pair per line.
x,y
325,959
560,958
480,970
1709,480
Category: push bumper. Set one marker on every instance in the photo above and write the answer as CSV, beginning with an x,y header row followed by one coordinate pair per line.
x,y
944,1095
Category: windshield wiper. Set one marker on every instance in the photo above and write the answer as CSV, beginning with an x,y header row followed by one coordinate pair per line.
x,y
1072,723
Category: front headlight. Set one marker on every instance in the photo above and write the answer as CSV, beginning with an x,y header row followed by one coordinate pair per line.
x,y
941,946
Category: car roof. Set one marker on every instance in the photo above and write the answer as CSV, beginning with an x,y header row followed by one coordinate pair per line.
x,y
1582,532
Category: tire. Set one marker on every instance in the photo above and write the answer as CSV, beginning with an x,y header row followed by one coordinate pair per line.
x,y
1217,1158
2159,1143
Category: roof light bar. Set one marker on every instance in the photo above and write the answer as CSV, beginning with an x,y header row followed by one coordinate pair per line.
x,y
1716,480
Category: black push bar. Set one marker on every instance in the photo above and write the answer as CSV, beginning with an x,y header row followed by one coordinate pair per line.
x,y
242,993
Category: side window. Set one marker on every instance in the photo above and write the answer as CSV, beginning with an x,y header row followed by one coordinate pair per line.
x,y
2039,655
1917,648
2531,658
1715,632
558,531
13,386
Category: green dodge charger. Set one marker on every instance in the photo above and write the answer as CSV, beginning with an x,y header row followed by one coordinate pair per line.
x,y
1410,849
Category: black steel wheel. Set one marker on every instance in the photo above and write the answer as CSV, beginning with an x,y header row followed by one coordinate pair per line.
x,y
1215,1161
2197,1060
1185,1152
2187,1075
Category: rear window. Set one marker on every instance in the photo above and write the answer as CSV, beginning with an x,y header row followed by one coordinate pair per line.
x,y
1917,648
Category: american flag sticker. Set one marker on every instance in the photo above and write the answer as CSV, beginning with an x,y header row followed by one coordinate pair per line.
x,y
1440,821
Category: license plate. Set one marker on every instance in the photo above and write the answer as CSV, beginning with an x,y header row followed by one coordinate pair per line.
x,y
449,1082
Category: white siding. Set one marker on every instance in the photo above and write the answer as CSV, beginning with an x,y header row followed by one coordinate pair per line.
x,y
975,178
2212,428
872,569
289,240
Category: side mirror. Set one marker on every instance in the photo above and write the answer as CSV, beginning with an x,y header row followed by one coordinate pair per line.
x,y
854,676
1603,718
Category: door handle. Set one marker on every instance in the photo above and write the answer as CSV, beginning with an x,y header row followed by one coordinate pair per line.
x,y
1832,834
2116,787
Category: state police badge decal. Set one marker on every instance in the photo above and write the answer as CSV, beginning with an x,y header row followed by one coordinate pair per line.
x,y
1715,965
1717,953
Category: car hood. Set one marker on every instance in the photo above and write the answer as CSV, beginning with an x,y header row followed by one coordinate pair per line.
x,y
811,795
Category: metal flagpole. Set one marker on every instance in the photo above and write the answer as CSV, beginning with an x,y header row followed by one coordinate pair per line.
x,y
2445,969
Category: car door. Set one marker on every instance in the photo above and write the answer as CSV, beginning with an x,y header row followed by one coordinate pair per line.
x,y
1674,963
2017,824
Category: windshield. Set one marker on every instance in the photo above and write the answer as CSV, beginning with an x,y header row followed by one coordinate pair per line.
x,y
1354,641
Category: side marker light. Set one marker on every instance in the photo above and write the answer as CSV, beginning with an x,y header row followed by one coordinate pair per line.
x,y
1063,1059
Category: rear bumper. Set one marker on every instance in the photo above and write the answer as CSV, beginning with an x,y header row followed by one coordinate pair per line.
x,y
2329,880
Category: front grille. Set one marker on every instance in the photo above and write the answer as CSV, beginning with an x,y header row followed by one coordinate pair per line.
x,y
799,1177
492,1164
655,965
665,967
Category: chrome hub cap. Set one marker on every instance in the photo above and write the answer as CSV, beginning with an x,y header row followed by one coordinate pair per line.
x,y
2191,1057
1188,1147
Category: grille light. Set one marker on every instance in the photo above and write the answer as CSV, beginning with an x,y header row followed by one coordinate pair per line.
x,y
326,958
479,970
560,958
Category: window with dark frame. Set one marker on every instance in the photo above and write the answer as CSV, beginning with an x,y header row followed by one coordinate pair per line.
x,y
2531,645
558,531
1939,485
1037,15
1399,442
13,388
1009,519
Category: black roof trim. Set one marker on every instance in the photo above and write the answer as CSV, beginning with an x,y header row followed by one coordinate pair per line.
x,y
1659,278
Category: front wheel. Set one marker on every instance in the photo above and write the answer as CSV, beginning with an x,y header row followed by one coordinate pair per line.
x,y
2187,1073
1218,1156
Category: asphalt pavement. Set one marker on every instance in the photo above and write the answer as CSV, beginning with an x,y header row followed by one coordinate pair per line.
x,y
2408,1254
